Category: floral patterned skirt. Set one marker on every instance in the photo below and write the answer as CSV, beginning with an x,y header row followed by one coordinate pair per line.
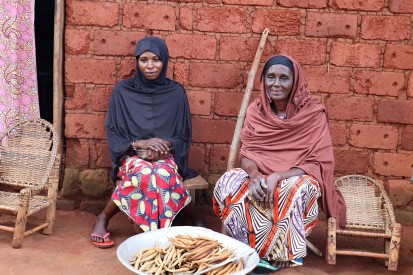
x,y
278,234
150,192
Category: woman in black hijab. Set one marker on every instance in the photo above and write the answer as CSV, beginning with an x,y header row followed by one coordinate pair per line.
x,y
148,126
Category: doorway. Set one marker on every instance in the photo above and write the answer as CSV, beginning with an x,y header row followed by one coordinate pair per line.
x,y
44,11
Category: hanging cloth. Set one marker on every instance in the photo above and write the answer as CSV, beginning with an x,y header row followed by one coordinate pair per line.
x,y
18,77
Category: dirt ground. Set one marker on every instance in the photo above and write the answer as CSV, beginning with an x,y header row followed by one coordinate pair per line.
x,y
69,251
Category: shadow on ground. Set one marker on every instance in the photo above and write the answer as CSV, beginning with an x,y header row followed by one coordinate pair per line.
x,y
69,251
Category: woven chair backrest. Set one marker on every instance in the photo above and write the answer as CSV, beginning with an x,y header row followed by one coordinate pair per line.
x,y
368,206
27,153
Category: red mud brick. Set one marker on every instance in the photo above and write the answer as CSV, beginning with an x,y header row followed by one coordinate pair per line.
x,y
331,25
102,158
85,126
407,138
218,159
149,16
88,13
191,46
199,102
198,1
400,192
401,6
338,133
86,70
311,4
378,83
212,130
240,48
280,22
393,164
196,158
410,86
334,81
350,108
214,75
249,2
127,69
186,18
76,41
395,111
355,55
116,42
373,136
179,73
217,19
100,98
77,153
228,103
351,162
170,70
385,27
363,5
298,49
398,57
77,97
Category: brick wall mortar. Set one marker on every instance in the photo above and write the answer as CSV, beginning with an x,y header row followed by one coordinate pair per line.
x,y
346,65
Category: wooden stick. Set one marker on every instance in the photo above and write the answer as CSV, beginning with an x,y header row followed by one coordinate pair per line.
x,y
241,115
245,101
313,248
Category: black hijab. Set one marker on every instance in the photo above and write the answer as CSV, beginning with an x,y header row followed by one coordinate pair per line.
x,y
141,109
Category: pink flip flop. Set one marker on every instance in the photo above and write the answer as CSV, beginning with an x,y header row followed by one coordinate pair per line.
x,y
105,243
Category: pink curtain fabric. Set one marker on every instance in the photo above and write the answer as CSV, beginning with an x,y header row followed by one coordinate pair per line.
x,y
18,77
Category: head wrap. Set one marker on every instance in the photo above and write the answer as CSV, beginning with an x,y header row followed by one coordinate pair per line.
x,y
301,141
158,47
141,109
278,59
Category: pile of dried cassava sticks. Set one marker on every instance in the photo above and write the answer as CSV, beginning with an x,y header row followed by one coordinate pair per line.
x,y
186,254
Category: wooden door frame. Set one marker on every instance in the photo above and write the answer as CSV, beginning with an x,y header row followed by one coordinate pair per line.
x,y
58,77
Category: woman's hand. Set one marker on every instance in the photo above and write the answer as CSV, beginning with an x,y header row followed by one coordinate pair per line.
x,y
271,184
158,146
152,155
255,187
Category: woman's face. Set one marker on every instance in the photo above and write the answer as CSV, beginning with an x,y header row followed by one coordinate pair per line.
x,y
150,65
278,82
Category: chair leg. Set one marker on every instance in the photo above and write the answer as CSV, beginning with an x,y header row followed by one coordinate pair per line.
x,y
50,218
52,195
386,250
331,241
394,247
20,226
192,193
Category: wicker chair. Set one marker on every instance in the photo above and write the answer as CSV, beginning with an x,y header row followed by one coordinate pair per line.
x,y
369,215
29,175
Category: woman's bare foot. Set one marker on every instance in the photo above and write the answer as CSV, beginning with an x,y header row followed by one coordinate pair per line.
x,y
100,228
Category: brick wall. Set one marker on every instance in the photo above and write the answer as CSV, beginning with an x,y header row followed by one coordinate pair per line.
x,y
358,56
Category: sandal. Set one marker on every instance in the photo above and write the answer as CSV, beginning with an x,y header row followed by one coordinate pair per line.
x,y
105,241
264,267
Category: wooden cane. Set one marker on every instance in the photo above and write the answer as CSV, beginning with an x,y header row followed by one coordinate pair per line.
x,y
245,101
241,115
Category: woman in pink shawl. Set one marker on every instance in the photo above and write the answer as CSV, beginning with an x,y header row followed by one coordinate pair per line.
x,y
287,163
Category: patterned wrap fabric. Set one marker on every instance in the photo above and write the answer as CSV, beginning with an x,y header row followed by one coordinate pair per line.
x,y
18,77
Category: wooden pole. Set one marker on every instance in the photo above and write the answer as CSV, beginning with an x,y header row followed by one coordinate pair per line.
x,y
241,115
245,101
